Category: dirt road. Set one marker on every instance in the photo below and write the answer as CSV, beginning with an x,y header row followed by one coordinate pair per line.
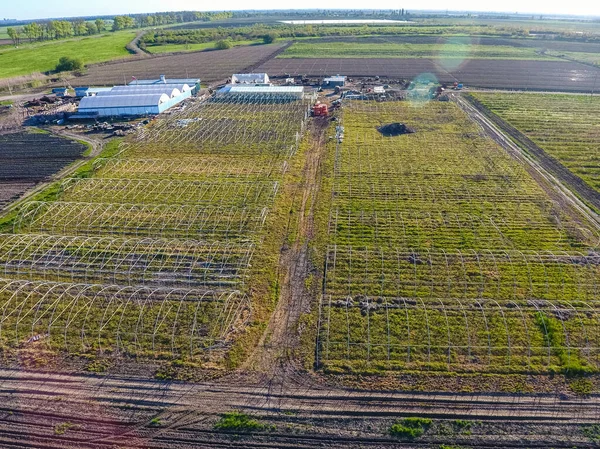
x,y
119,412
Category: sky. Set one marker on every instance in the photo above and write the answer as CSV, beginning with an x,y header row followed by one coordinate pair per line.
x,y
39,9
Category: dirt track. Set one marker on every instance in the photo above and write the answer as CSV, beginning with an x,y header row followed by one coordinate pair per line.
x,y
113,411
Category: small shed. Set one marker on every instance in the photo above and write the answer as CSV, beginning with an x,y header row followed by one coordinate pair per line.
x,y
60,91
81,92
250,78
334,81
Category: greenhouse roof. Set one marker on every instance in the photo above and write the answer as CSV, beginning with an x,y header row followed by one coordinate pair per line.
x,y
122,101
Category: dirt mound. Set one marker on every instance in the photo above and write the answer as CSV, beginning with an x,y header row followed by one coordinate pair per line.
x,y
395,129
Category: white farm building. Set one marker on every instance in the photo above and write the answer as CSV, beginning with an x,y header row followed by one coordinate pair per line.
x,y
134,99
250,78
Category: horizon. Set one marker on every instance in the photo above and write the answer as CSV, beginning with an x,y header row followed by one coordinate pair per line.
x,y
71,7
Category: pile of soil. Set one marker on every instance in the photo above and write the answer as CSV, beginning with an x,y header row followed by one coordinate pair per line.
x,y
395,129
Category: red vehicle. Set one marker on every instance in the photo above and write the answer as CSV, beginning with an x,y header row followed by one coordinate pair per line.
x,y
320,110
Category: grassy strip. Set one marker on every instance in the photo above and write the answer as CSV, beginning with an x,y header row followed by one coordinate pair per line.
x,y
264,280
177,48
457,49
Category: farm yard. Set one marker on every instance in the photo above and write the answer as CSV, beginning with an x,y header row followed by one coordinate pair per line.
x,y
145,259
565,126
435,264
30,158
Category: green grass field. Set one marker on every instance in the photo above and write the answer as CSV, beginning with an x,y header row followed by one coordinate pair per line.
x,y
172,48
565,126
41,57
316,49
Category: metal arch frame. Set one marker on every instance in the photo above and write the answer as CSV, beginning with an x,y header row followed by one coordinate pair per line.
x,y
117,302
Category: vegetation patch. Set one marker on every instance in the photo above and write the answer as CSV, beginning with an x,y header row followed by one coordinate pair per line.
x,y
238,422
410,428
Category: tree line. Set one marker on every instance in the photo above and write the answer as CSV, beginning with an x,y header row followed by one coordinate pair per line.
x,y
261,31
60,29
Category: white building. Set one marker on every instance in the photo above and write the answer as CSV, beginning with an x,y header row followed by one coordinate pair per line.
x,y
250,78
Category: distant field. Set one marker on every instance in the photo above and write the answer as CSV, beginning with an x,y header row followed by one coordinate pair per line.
x,y
588,58
41,57
526,23
207,65
174,48
565,126
494,73
308,49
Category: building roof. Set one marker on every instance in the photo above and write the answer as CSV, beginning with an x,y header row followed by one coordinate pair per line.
x,y
122,101
182,87
168,91
335,78
249,78
242,89
171,90
95,90
188,81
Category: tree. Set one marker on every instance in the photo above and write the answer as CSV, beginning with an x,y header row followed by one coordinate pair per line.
x,y
79,27
270,38
122,23
51,29
100,25
68,64
91,28
14,34
29,31
222,45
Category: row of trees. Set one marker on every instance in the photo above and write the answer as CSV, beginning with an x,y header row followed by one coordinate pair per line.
x,y
260,31
60,29
55,29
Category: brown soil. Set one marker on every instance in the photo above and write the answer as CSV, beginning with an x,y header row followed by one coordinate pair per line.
x,y
564,76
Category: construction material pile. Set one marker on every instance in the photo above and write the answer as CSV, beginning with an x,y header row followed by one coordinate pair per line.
x,y
395,129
